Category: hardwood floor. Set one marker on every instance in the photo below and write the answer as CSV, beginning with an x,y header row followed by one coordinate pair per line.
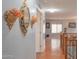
x,y
49,53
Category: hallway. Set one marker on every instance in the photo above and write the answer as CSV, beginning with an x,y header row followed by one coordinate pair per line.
x,y
32,29
50,53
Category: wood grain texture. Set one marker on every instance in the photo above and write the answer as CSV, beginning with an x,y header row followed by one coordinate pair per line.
x,y
49,53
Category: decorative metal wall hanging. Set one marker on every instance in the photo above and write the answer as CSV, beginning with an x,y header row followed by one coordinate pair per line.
x,y
25,18
11,16
34,19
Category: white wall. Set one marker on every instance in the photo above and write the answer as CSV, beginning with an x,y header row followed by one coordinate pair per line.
x,y
14,45
64,22
40,38
37,35
42,34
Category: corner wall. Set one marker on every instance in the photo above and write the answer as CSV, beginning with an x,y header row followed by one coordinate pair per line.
x,y
14,45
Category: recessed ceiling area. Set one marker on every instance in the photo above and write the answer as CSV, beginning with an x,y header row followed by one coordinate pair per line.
x,y
68,8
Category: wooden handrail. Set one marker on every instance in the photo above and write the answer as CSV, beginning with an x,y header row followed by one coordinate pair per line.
x,y
66,41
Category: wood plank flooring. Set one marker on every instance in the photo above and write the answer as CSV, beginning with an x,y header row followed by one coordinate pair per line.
x,y
49,53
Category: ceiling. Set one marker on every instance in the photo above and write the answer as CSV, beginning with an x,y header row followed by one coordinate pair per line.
x,y
68,8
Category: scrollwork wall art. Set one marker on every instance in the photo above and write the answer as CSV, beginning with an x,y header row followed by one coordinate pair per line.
x,y
11,16
25,18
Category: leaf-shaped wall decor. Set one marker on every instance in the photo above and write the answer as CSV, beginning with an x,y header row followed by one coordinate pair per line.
x,y
24,19
9,18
